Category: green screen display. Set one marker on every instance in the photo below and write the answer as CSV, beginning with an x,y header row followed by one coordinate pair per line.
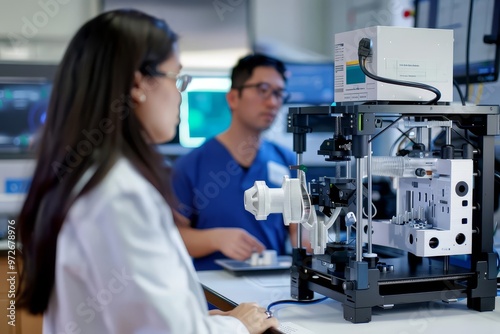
x,y
209,113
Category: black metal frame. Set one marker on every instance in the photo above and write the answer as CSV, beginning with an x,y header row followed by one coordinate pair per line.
x,y
361,285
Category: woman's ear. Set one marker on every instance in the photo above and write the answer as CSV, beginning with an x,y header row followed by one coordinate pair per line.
x,y
138,92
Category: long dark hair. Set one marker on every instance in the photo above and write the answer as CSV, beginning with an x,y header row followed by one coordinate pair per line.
x,y
90,123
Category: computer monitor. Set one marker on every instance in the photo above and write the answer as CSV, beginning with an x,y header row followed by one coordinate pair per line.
x,y
204,111
484,39
23,108
310,83
24,97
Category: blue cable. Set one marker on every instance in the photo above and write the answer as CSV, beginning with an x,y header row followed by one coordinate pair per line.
x,y
291,301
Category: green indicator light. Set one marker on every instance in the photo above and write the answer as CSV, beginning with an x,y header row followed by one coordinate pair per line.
x,y
360,122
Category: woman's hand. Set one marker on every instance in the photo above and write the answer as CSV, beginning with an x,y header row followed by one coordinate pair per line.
x,y
254,317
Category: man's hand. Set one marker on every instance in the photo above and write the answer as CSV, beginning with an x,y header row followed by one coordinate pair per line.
x,y
236,243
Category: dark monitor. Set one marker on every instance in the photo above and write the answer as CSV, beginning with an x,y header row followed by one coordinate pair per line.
x,y
24,97
310,83
484,40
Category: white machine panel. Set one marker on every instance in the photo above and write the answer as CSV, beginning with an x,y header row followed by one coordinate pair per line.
x,y
434,214
399,53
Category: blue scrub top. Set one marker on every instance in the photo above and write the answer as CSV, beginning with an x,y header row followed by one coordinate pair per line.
x,y
210,186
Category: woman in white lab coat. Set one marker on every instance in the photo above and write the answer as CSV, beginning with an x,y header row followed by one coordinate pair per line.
x,y
99,248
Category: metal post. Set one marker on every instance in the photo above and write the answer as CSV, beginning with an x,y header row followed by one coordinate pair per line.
x,y
370,188
419,137
299,176
359,210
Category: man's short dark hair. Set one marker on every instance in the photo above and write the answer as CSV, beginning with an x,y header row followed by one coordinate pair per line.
x,y
245,66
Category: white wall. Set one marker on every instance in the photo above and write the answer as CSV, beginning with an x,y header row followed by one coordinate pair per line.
x,y
39,30
300,30
213,34
290,29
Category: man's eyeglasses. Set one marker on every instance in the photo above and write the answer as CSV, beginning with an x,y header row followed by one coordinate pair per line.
x,y
265,90
181,81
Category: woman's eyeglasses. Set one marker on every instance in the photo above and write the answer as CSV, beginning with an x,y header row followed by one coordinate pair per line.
x,y
265,90
181,80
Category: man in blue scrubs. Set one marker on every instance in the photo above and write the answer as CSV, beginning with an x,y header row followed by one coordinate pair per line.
x,y
210,181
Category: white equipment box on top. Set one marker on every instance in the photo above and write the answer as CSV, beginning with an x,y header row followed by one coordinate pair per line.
x,y
399,53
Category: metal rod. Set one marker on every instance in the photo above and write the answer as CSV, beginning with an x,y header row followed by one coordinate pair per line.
x,y
299,176
359,210
448,136
336,224
419,136
370,189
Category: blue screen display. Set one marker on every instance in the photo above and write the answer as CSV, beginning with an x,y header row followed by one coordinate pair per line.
x,y
23,109
310,84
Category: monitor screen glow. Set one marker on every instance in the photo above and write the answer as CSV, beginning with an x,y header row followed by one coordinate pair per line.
x,y
310,83
23,109
204,112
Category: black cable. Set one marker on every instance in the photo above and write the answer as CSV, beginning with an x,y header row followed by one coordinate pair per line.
x,y
364,50
396,142
467,51
405,133
460,94
468,141
434,90
292,301
384,129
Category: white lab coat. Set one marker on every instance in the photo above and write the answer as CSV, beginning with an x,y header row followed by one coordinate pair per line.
x,y
121,266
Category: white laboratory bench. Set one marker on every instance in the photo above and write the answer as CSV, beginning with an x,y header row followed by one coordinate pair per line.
x,y
327,316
